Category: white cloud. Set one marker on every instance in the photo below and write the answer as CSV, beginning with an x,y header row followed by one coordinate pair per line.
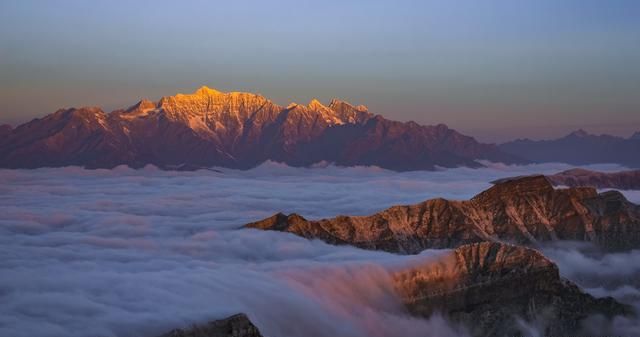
x,y
134,253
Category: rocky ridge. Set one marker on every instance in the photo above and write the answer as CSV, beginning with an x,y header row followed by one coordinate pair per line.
x,y
525,210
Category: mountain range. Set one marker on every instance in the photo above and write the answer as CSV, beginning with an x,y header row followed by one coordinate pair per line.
x,y
236,130
579,148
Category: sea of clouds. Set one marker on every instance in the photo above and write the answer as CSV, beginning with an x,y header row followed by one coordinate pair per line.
x,y
138,252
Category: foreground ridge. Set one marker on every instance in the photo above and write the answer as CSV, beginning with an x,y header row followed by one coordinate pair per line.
x,y
489,286
235,326
525,210
236,130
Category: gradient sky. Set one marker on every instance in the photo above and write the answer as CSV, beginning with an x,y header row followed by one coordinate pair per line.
x,y
494,69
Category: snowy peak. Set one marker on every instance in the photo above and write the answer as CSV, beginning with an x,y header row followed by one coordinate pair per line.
x,y
314,104
349,113
141,108
206,91
330,116
217,107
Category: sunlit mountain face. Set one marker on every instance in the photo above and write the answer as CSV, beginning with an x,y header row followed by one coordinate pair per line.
x,y
319,168
237,130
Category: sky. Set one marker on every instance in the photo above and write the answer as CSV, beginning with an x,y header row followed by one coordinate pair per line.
x,y
495,69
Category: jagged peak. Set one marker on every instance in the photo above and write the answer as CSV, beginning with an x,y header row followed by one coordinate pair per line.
x,y
336,103
206,91
315,104
81,110
143,104
636,135
579,133
292,105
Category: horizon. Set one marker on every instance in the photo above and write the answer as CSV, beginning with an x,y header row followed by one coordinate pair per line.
x,y
496,71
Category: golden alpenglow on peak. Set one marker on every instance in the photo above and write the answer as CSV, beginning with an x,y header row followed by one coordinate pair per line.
x,y
315,104
204,90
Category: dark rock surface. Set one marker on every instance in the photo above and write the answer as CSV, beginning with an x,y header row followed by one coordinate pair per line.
x,y
624,180
489,286
235,326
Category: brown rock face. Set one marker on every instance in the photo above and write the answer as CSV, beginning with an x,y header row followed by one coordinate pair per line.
x,y
488,286
524,210
625,180
234,326
237,130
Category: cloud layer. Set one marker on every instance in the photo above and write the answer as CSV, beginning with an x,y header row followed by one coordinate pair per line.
x,y
135,253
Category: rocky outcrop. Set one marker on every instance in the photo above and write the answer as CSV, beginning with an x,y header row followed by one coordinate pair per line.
x,y
578,148
625,180
237,130
525,210
234,326
490,286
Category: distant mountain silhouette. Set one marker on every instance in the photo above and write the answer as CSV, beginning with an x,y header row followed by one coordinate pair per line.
x,y
579,148
236,130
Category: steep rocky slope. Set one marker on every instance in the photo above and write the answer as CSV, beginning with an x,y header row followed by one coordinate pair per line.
x,y
524,210
489,286
234,326
238,130
625,180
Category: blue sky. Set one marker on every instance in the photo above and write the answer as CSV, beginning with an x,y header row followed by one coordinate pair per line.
x,y
495,69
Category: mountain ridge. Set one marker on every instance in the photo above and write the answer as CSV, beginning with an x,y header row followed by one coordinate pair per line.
x,y
623,180
524,210
578,148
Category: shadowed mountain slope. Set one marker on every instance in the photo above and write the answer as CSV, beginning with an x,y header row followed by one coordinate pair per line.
x,y
578,148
